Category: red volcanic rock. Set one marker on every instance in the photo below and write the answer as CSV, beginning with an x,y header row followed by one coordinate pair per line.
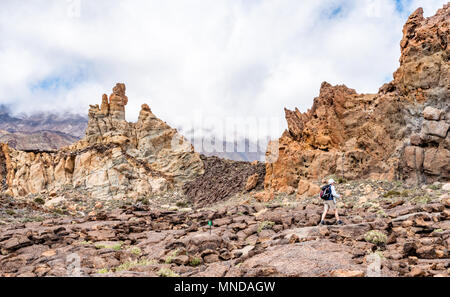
x,y
424,66
401,132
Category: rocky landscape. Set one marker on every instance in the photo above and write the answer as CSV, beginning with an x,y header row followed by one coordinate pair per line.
x,y
389,230
136,199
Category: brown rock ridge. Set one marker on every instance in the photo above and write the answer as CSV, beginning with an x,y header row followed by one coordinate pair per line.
x,y
399,133
115,158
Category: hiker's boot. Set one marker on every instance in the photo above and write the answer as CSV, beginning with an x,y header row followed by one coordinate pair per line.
x,y
322,223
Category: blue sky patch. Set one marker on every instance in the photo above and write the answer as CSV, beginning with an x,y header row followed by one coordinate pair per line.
x,y
400,5
67,80
336,11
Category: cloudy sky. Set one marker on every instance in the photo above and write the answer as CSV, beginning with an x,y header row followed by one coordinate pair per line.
x,y
215,61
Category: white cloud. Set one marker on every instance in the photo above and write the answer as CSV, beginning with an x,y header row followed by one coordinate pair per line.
x,y
243,59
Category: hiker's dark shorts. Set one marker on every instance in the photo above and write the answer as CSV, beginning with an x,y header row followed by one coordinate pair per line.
x,y
329,204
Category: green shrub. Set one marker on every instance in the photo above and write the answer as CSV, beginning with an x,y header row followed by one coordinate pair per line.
x,y
376,237
435,187
405,193
136,251
340,180
116,246
422,200
391,193
144,200
182,204
39,201
266,225
130,264
10,212
382,213
103,271
166,272
171,256
195,262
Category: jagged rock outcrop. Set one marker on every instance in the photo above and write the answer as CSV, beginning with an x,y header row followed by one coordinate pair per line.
x,y
115,159
399,133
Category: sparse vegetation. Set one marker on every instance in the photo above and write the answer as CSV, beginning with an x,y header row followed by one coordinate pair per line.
x,y
375,237
103,271
391,193
195,262
115,246
131,264
182,204
144,200
59,211
382,213
171,256
10,212
39,201
340,180
435,187
266,225
405,193
136,251
166,272
422,199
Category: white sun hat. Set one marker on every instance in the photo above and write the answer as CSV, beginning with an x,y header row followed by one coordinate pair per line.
x,y
330,181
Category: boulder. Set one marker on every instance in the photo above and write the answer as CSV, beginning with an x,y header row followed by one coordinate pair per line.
x,y
436,162
434,128
306,188
252,181
312,258
431,113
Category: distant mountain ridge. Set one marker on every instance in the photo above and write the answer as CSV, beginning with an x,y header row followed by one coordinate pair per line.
x,y
52,131
68,123
40,131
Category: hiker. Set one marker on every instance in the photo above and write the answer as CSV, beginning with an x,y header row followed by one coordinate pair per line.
x,y
329,196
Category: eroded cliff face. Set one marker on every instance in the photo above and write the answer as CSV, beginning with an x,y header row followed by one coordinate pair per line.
x,y
399,133
115,159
